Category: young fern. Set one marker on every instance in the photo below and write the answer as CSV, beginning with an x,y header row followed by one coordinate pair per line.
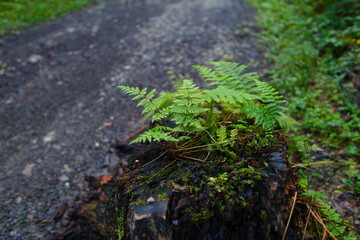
x,y
245,90
219,115
157,133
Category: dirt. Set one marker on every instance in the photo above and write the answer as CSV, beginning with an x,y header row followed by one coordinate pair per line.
x,y
59,105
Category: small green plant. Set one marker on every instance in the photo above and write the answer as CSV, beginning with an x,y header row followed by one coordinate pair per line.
x,y
237,103
324,217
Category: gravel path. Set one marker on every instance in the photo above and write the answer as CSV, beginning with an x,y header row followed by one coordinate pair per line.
x,y
59,106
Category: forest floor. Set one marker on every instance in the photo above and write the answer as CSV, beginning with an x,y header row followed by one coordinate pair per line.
x,y
59,105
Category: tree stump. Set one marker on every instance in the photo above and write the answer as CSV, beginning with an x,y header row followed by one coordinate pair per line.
x,y
171,193
202,196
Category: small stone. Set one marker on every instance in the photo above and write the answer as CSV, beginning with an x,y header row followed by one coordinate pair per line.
x,y
18,200
30,217
64,178
27,172
56,147
67,185
71,29
13,233
67,168
35,58
150,200
49,137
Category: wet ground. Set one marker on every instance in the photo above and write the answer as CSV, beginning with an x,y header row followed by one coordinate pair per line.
x,y
59,105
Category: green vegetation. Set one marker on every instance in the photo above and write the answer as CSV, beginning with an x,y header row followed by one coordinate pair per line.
x,y
120,222
315,51
238,104
314,47
15,14
327,219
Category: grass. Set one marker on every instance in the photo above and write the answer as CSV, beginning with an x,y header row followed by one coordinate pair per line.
x,y
315,53
314,48
16,14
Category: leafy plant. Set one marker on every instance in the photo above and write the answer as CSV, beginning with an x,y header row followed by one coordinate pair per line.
x,y
237,102
325,218
315,52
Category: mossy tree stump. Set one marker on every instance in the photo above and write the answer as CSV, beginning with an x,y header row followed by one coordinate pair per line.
x,y
173,194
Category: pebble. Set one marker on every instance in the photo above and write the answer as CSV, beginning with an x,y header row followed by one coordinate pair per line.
x,y
18,200
27,172
13,233
67,168
35,58
49,137
56,147
64,178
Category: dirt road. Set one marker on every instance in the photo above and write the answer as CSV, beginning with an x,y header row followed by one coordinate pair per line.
x,y
59,105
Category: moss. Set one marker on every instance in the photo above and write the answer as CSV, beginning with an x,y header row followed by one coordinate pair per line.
x,y
162,196
120,221
139,202
263,215
217,185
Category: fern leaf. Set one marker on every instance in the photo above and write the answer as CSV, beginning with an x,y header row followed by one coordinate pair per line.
x,y
232,96
155,134
221,134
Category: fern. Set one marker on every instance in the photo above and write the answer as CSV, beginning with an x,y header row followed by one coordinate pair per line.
x,y
243,90
237,101
221,134
229,75
155,134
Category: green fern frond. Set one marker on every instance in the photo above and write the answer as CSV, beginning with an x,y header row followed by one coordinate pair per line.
x,y
267,93
221,134
228,74
232,96
198,112
287,122
131,91
155,134
234,134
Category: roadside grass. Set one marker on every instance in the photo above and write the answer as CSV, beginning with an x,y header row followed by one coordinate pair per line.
x,y
16,14
314,48
315,51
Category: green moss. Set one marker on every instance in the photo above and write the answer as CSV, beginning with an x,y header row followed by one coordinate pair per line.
x,y
139,202
162,196
263,215
120,221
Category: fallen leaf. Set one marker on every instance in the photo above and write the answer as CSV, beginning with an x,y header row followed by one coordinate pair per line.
x,y
105,179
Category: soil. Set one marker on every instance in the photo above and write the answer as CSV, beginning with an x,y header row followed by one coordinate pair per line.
x,y
59,105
